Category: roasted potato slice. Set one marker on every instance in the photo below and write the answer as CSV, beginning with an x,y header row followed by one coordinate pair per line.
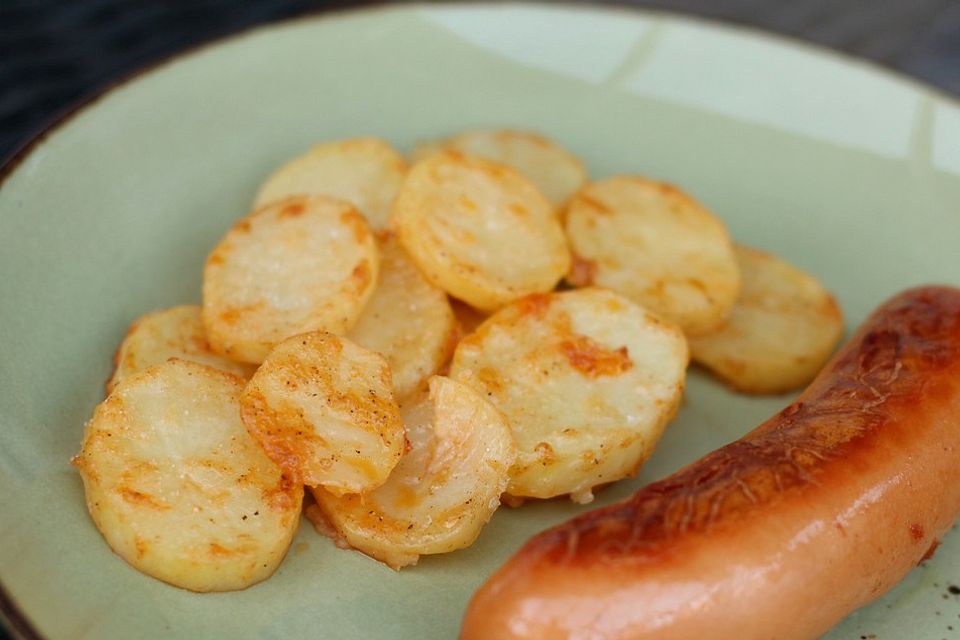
x,y
479,230
656,245
177,486
301,264
556,172
443,490
171,333
323,409
783,328
468,318
587,379
407,320
366,172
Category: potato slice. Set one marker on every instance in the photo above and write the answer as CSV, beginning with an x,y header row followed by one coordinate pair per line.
x,y
426,148
407,320
302,264
177,486
444,489
783,328
655,245
588,381
366,172
556,172
468,318
170,333
323,409
479,230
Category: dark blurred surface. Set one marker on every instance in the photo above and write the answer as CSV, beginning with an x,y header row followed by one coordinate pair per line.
x,y
55,52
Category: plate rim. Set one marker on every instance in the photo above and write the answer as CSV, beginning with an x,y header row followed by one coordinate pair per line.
x,y
24,148
12,618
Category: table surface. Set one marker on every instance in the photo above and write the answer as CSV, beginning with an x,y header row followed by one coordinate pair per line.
x,y
53,53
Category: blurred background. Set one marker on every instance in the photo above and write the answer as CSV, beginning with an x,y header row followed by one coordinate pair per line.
x,y
55,52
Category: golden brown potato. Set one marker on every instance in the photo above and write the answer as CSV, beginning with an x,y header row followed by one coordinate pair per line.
x,y
177,486
443,490
407,320
657,246
556,172
468,318
783,328
587,379
301,264
170,333
479,230
323,409
366,172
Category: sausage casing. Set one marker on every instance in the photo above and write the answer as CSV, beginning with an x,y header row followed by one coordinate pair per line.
x,y
781,534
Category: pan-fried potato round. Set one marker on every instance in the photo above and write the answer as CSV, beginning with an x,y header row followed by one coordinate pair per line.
x,y
468,318
443,490
366,172
556,172
407,320
301,264
587,379
656,245
323,409
171,333
177,486
479,230
426,148
782,330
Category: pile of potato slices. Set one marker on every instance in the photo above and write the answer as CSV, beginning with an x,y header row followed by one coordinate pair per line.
x,y
413,341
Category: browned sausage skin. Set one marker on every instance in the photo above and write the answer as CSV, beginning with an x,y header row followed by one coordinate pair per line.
x,y
780,534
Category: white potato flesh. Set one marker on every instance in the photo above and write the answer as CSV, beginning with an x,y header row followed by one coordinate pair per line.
x,y
171,333
556,172
782,330
444,489
657,246
301,264
323,409
407,320
588,381
366,172
479,230
178,487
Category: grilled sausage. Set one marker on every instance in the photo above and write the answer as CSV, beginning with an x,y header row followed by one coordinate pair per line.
x,y
781,534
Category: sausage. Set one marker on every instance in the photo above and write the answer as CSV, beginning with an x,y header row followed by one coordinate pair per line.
x,y
781,534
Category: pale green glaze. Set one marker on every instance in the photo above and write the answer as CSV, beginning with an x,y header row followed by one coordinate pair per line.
x,y
852,174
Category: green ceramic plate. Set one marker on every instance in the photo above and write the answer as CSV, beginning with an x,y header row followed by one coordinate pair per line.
x,y
851,173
